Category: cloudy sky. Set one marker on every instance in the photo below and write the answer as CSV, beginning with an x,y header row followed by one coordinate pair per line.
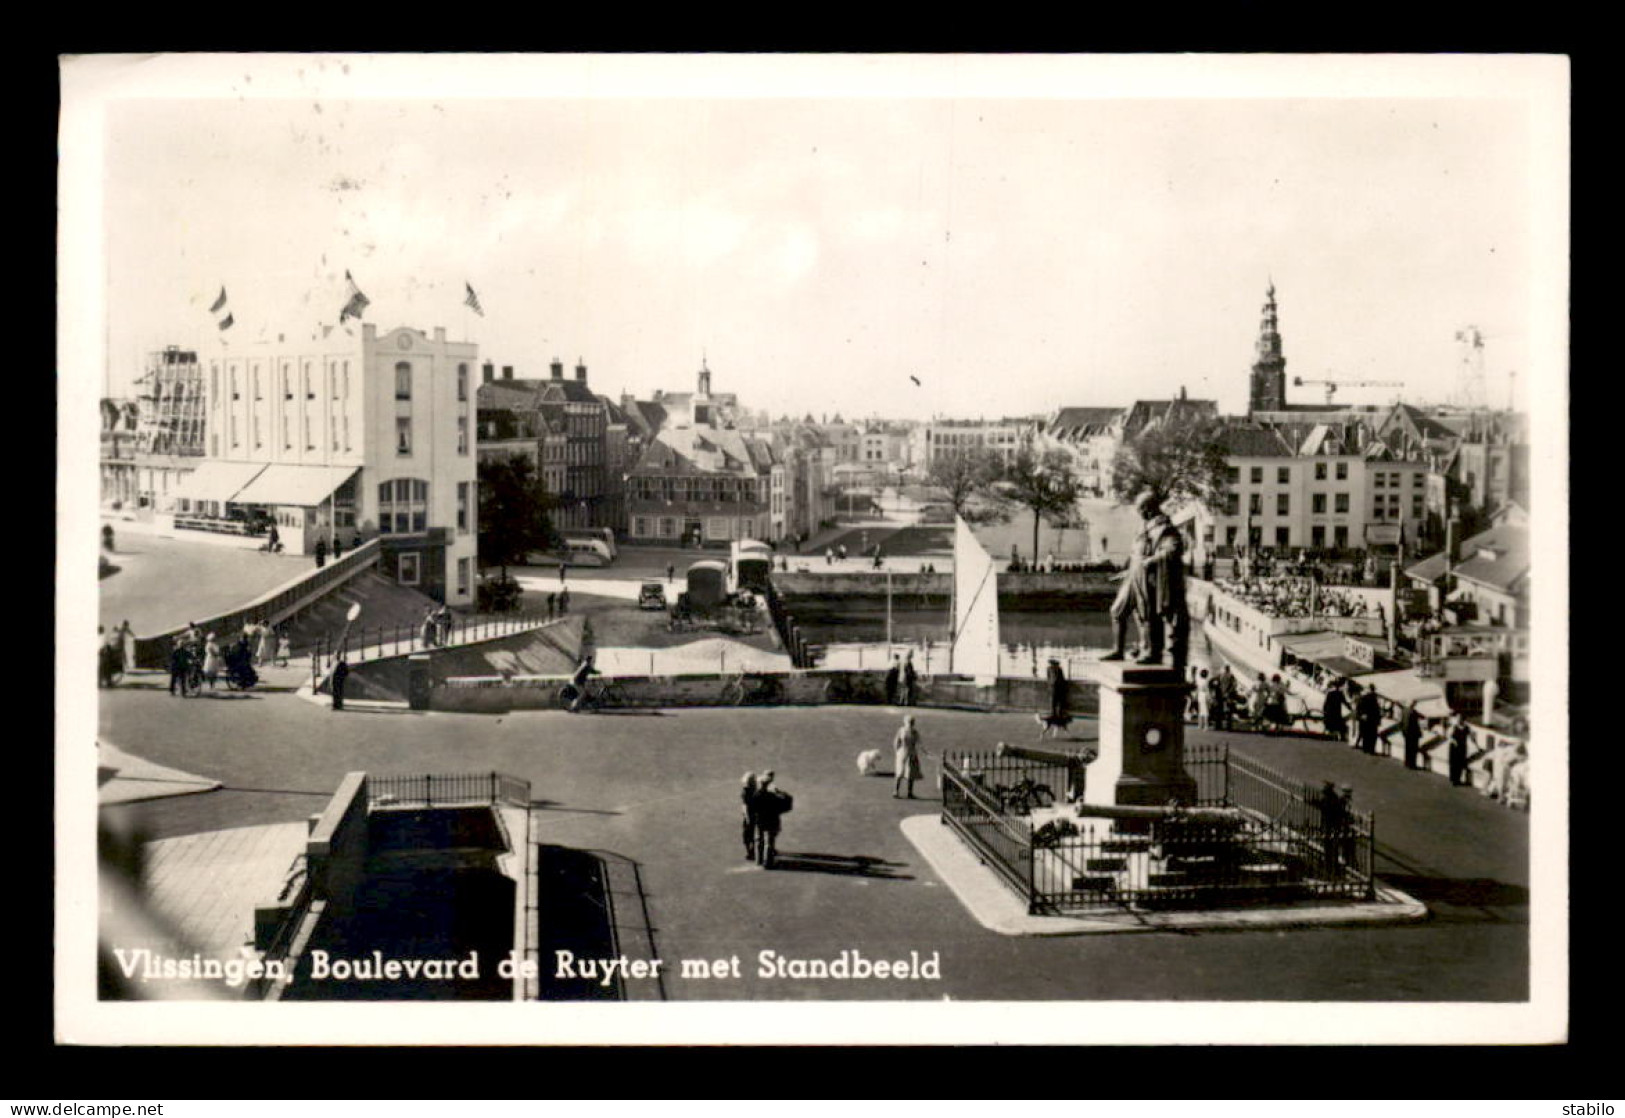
x,y
1017,238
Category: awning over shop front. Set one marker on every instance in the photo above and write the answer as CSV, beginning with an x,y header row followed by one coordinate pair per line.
x,y
1314,646
1405,687
306,486
216,480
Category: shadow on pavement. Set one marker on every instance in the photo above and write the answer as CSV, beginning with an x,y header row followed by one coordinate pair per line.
x,y
1460,894
847,865
554,805
592,905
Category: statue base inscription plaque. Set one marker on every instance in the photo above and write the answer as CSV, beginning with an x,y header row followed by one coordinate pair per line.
x,y
1142,737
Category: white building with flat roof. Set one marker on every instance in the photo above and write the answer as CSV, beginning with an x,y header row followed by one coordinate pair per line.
x,y
342,436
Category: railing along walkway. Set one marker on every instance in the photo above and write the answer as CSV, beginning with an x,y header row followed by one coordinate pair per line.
x,y
377,642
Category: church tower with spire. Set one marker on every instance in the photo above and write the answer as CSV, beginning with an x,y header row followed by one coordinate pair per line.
x,y
1268,387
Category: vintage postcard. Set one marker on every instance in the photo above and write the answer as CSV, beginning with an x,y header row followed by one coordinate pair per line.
x,y
812,549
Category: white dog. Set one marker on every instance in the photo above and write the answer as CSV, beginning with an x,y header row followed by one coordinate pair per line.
x,y
869,762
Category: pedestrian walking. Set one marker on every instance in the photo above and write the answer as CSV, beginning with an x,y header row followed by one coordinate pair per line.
x,y
1461,740
105,651
338,549
1275,706
1258,699
212,661
126,645
341,673
552,604
1336,839
321,552
1218,701
747,807
911,681
1333,712
906,758
1367,719
564,601
180,667
443,621
671,573
564,567
1059,691
1204,702
772,804
427,627
894,676
1411,730
284,647
268,642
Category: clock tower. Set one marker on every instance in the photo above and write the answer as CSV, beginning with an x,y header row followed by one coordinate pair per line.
x,y
1268,387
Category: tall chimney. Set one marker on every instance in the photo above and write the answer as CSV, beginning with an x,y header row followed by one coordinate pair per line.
x,y
488,372
558,369
507,372
581,371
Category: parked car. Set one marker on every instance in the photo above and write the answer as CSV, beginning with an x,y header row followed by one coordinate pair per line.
x,y
497,594
652,595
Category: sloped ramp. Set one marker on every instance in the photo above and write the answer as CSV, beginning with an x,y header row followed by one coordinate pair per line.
x,y
122,778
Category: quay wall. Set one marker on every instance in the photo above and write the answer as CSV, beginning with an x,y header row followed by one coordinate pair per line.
x,y
499,694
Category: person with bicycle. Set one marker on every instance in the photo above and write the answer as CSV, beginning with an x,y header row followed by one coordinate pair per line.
x,y
578,682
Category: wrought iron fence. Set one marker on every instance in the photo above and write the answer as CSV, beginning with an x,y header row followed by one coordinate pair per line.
x,y
447,789
1252,835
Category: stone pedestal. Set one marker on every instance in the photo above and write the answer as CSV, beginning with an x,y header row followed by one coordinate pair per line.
x,y
1142,737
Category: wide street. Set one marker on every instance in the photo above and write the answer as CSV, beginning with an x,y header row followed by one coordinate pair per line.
x,y
660,789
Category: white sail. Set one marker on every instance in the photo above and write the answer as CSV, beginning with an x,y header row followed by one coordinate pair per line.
x,y
975,650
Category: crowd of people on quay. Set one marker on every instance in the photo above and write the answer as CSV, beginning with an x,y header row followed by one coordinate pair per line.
x,y
1349,568
1051,565
1363,719
1294,597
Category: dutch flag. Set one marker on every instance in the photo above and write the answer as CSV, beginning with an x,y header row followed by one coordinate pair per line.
x,y
222,312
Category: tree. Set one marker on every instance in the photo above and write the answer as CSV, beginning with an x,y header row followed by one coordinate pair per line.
x,y
1044,484
968,473
1185,461
514,511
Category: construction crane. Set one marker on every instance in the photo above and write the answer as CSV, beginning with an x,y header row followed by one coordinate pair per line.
x,y
1333,385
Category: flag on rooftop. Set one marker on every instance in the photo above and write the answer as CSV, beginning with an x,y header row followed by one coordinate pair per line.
x,y
355,303
222,312
473,300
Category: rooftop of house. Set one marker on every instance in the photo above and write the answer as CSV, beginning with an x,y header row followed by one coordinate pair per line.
x,y
1497,558
1077,423
704,450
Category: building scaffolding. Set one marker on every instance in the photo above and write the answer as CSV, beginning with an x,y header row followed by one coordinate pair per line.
x,y
171,407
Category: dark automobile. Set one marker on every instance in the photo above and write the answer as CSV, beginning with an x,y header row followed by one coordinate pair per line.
x,y
652,595
497,594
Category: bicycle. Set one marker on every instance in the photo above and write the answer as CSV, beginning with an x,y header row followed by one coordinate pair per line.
x,y
753,690
1024,795
599,696
847,688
